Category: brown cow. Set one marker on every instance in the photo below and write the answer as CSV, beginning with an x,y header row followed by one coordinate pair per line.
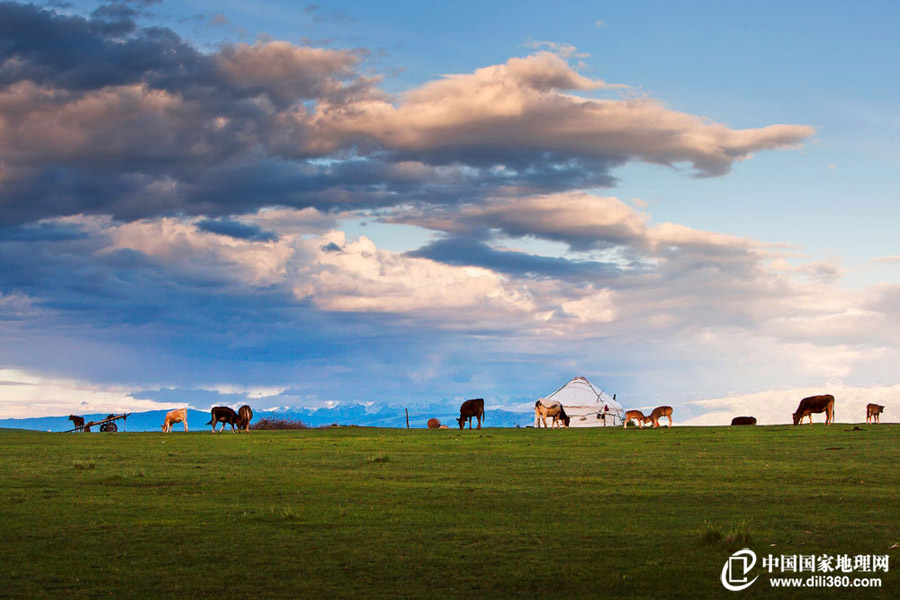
x,y
245,415
471,408
635,415
873,413
815,404
658,412
224,415
77,422
544,408
179,415
743,421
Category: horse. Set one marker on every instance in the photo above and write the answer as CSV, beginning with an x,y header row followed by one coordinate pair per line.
x,y
77,422
815,404
658,412
635,415
873,413
544,408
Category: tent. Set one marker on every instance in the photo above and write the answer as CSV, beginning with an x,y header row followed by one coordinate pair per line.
x,y
587,405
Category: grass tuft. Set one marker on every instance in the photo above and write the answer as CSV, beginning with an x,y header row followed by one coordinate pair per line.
x,y
379,458
737,535
82,465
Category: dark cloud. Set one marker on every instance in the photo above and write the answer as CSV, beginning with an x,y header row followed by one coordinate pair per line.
x,y
101,115
237,230
42,232
468,251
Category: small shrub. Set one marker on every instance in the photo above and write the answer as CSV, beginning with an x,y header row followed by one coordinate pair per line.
x,y
379,458
81,465
278,424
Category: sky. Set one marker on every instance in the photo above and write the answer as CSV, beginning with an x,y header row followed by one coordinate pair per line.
x,y
690,204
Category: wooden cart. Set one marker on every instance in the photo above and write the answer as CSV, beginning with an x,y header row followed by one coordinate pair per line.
x,y
107,425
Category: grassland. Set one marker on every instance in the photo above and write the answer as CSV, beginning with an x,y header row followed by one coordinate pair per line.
x,y
497,513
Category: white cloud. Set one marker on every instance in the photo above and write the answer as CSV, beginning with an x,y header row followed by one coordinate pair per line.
x,y
504,112
357,276
29,394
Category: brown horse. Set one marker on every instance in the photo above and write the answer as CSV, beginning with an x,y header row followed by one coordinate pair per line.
x,y
658,412
815,404
77,422
544,408
873,413
634,415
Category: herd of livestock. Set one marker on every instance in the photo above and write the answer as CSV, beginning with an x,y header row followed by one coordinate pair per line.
x,y
474,408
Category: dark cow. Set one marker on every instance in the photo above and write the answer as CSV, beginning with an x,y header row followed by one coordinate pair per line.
x,y
224,415
815,404
743,421
873,413
469,409
245,415
78,422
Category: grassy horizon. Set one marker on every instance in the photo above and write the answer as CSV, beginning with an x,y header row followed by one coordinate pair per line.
x,y
388,513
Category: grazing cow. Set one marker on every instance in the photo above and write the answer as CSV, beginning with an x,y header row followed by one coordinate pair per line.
x,y
635,415
873,413
179,415
245,415
471,408
544,408
78,422
659,412
224,415
815,404
743,421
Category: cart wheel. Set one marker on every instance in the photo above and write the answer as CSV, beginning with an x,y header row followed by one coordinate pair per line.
x,y
110,427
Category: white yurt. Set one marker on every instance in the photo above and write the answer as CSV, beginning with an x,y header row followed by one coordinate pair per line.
x,y
587,405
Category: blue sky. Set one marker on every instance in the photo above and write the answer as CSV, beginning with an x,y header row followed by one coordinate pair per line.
x,y
688,203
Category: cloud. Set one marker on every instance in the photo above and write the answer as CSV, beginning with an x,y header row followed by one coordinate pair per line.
x,y
103,116
163,302
517,114
28,394
236,229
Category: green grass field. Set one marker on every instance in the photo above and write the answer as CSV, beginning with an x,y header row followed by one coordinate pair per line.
x,y
497,513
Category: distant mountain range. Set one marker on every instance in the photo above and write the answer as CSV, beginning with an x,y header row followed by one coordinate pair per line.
x,y
378,415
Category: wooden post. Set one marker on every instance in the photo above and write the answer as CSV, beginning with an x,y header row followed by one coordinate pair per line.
x,y
407,417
